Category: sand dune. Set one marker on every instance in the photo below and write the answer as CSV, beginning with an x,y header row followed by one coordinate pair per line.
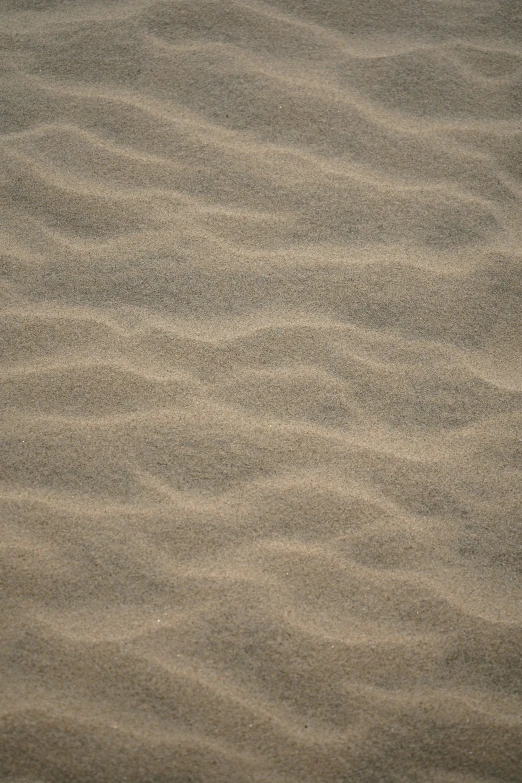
x,y
261,375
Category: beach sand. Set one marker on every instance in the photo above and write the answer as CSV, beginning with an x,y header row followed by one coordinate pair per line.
x,y
261,372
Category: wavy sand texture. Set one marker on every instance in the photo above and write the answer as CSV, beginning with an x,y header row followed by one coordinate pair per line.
x,y
260,479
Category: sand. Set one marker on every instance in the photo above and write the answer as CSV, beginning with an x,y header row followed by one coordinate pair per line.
x,y
261,331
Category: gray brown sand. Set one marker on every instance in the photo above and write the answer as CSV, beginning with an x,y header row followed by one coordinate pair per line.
x,y
262,391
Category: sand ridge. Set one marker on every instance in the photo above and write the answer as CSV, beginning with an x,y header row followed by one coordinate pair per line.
x,y
261,377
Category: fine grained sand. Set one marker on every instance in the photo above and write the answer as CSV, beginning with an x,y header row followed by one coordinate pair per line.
x,y
260,473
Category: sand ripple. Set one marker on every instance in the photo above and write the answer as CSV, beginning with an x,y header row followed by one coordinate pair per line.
x,y
262,393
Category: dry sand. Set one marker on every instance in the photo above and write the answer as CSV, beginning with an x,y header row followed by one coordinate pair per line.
x,y
260,473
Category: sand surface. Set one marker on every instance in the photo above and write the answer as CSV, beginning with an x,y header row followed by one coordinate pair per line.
x,y
261,378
